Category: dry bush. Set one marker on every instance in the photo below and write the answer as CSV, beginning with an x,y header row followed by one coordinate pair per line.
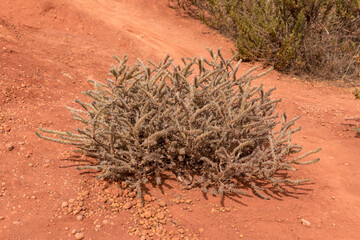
x,y
200,121
320,37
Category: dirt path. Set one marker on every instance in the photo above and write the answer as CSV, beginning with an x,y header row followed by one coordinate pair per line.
x,y
47,51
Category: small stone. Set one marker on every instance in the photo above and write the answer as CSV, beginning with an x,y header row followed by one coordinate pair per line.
x,y
132,194
64,204
79,217
105,221
9,146
147,214
160,216
16,222
79,236
333,197
127,205
162,203
201,230
2,218
147,198
305,222
180,230
73,231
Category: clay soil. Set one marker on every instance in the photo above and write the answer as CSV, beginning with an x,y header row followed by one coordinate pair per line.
x,y
48,49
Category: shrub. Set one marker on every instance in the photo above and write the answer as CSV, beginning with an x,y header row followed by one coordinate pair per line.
x,y
318,37
200,121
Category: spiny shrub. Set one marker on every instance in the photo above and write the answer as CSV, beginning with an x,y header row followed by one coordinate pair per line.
x,y
318,37
200,121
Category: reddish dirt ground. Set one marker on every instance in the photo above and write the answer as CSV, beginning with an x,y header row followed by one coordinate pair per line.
x,y
47,51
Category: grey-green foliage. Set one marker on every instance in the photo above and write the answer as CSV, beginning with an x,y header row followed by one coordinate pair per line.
x,y
200,120
318,37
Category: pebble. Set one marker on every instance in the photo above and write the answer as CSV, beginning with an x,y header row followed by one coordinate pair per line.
x,y
127,205
305,222
160,216
147,214
201,230
105,222
79,217
2,218
147,198
9,146
79,236
162,203
64,204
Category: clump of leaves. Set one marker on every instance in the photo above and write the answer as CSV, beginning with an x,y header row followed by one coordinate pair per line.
x,y
199,120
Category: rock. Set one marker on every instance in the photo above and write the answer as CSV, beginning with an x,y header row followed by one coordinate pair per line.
x,y
201,230
2,218
160,216
132,194
9,146
305,222
79,217
64,204
79,236
147,214
105,221
147,198
127,205
162,203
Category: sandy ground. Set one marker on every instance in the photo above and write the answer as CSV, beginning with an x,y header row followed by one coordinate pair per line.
x,y
47,51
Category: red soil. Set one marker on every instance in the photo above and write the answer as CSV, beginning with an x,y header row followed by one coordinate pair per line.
x,y
47,51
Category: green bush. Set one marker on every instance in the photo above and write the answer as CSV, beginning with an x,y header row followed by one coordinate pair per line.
x,y
318,37
200,121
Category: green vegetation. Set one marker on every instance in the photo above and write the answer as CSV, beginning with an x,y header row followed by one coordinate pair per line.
x,y
199,121
317,37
